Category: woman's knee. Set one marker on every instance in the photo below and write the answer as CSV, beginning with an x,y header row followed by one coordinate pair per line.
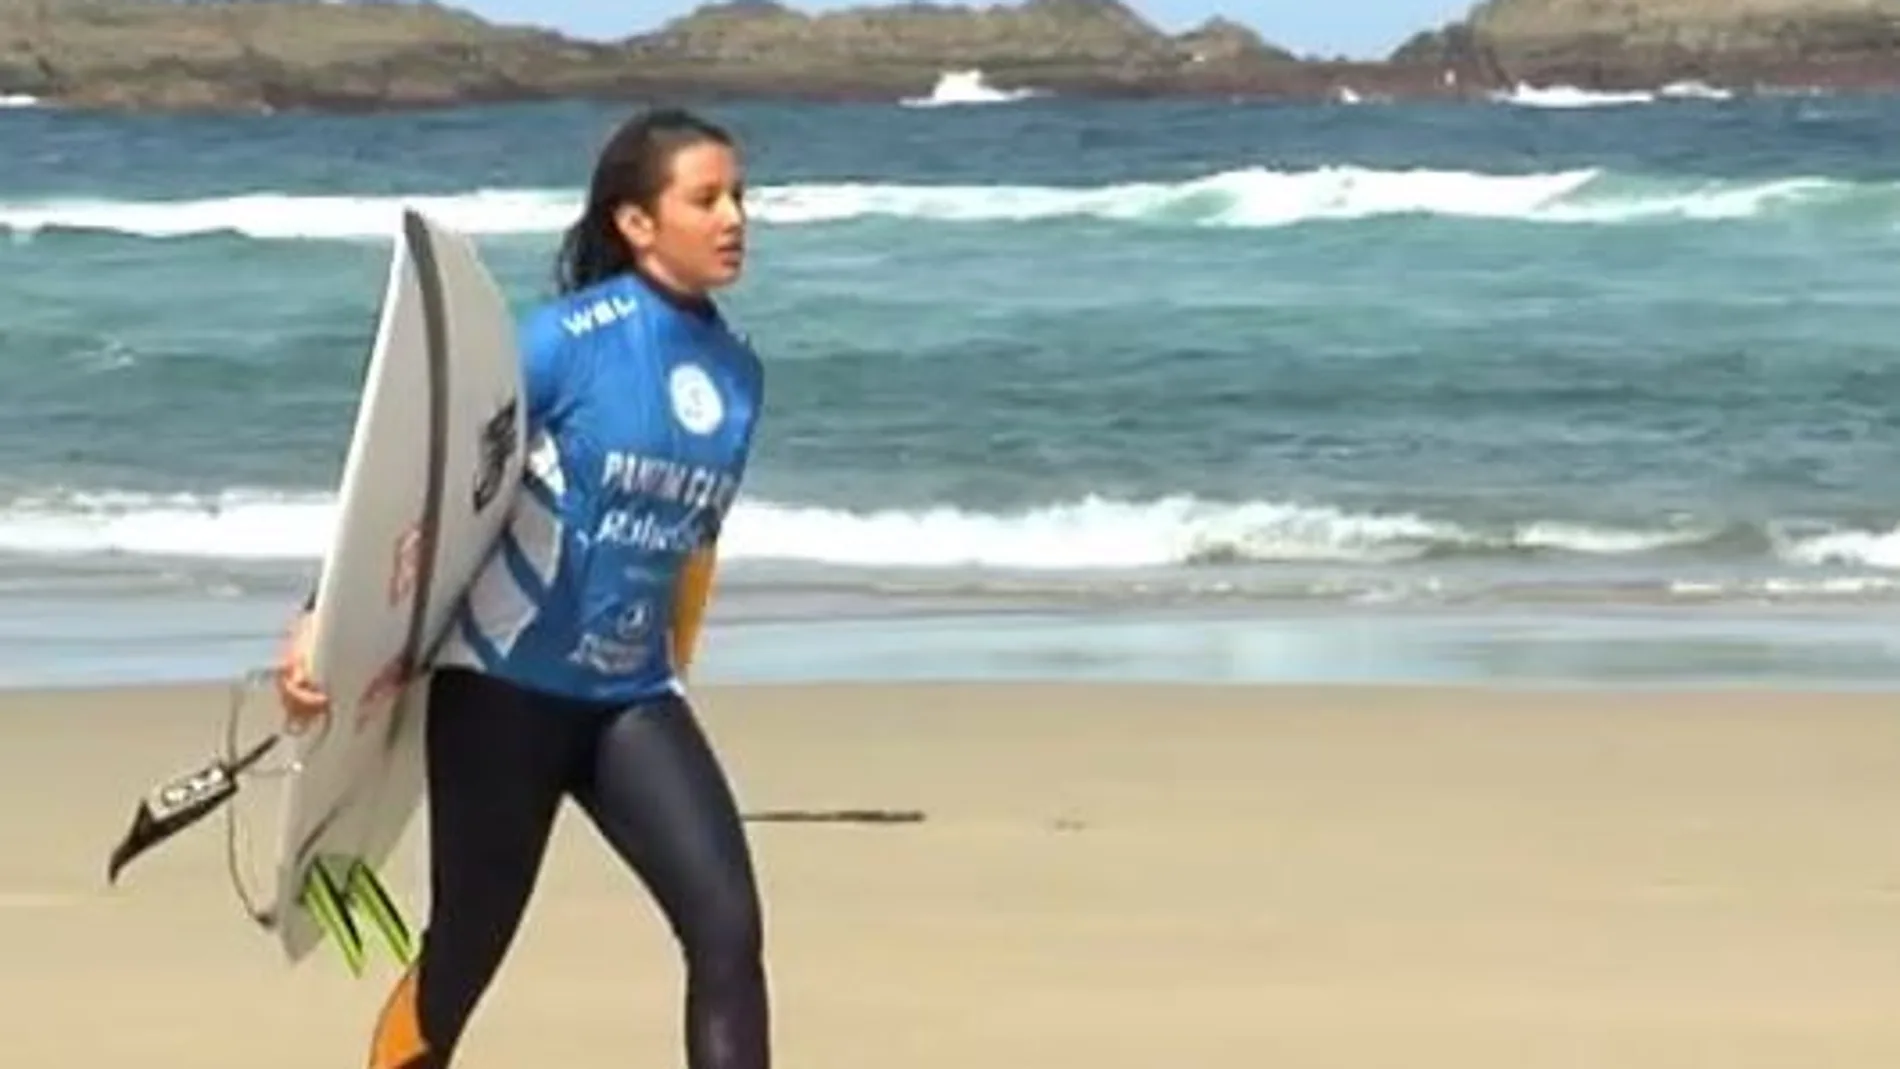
x,y
725,930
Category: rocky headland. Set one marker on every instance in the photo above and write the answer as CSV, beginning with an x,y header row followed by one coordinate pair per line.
x,y
221,55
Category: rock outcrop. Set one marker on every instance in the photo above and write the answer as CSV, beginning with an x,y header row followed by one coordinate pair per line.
x,y
1745,43
757,45
275,54
143,55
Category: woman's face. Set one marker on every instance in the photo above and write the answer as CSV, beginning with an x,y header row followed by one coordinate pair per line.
x,y
694,238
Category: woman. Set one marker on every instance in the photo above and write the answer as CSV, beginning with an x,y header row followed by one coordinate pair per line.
x,y
561,675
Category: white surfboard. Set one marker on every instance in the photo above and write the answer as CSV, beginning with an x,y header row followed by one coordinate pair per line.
x,y
430,476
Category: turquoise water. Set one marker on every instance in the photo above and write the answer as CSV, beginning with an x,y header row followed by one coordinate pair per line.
x,y
1212,374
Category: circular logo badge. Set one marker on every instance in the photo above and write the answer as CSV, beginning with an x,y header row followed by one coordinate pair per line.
x,y
696,402
634,622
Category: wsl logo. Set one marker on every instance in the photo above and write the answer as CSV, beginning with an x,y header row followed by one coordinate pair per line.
x,y
605,311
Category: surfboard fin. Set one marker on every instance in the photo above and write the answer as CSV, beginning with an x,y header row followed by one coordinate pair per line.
x,y
366,892
177,804
329,905
336,903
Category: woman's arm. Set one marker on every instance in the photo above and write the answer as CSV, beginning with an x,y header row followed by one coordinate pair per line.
x,y
689,604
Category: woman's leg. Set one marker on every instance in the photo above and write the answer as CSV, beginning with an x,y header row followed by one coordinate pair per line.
x,y
658,795
499,762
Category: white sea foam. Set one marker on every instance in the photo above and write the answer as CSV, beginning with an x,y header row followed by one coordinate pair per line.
x,y
1244,198
1570,97
1786,587
1879,549
1567,97
287,216
1084,534
964,87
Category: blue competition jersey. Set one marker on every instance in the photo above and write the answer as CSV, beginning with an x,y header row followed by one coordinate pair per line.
x,y
640,419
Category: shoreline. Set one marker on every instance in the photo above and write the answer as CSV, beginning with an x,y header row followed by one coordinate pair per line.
x,y
1601,649
1299,83
1336,91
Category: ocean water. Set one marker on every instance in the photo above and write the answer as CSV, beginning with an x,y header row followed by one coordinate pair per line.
x,y
1186,389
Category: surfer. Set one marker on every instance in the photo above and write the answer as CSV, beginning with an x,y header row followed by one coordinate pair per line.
x,y
562,672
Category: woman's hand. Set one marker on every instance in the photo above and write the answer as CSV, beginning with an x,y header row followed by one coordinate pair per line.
x,y
303,701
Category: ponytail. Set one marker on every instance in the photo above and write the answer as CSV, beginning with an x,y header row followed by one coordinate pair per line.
x,y
592,251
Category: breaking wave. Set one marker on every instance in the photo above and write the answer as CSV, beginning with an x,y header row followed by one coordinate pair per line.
x,y
1090,533
1245,198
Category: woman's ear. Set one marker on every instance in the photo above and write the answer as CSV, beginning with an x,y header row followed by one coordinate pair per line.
x,y
635,226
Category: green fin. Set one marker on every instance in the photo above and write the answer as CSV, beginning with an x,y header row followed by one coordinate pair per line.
x,y
329,904
365,891
339,904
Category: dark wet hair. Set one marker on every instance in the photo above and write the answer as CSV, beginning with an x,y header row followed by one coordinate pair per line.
x,y
633,168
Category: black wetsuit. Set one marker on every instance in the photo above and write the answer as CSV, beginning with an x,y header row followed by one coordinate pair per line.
x,y
501,760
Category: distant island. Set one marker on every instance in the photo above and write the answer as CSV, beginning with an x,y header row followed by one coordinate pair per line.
x,y
257,55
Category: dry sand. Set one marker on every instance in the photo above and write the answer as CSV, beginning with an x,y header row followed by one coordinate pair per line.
x,y
1108,877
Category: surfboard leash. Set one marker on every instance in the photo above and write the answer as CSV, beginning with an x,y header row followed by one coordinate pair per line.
x,y
184,800
241,690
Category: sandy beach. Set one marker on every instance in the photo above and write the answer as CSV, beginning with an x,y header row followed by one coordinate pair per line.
x,y
1105,876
